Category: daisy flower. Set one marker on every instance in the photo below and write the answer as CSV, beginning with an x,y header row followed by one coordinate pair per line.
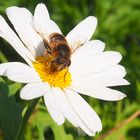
x,y
92,71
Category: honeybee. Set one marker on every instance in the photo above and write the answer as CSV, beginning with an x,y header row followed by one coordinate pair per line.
x,y
58,52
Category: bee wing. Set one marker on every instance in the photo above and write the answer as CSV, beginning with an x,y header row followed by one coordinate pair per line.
x,y
47,46
76,43
46,41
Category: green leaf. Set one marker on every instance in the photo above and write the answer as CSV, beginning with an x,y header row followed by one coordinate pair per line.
x,y
2,57
41,123
59,133
13,88
10,113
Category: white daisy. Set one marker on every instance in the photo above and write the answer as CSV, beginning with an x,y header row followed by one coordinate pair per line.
x,y
92,71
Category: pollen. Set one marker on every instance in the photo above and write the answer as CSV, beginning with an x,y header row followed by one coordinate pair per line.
x,y
59,79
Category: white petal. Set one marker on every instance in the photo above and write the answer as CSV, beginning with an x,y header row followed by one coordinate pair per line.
x,y
42,22
92,47
34,90
117,71
23,25
5,66
87,115
64,106
53,108
99,92
102,82
22,73
68,111
7,33
110,77
82,32
95,64
41,12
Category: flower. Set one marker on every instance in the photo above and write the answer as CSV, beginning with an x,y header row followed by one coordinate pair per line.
x,y
92,71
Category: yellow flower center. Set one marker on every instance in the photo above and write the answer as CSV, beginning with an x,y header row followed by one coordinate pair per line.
x,y
60,79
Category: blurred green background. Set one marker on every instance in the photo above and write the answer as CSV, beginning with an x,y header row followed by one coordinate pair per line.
x,y
119,27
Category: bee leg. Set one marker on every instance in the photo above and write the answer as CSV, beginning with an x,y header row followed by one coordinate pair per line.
x,y
53,66
65,75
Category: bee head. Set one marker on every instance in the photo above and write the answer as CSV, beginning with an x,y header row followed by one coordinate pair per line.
x,y
60,63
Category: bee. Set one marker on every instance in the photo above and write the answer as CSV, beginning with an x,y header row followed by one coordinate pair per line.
x,y
58,52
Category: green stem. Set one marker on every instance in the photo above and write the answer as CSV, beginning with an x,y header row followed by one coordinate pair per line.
x,y
19,135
